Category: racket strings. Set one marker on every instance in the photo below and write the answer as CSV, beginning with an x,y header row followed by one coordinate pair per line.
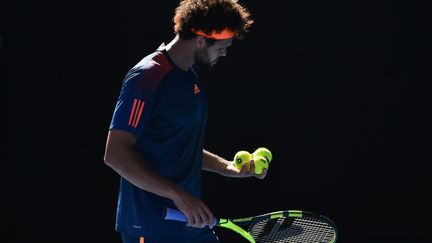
x,y
268,227
292,230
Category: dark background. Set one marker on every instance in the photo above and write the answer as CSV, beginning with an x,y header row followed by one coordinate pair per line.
x,y
321,84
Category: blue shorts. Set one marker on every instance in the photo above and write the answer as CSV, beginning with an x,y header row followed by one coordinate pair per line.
x,y
205,236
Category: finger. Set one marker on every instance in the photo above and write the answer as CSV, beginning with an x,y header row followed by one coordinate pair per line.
x,y
252,168
211,224
210,216
190,219
243,170
203,218
206,214
193,218
264,174
237,170
198,220
201,214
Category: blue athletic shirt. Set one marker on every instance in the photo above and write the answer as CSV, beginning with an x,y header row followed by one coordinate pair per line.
x,y
165,108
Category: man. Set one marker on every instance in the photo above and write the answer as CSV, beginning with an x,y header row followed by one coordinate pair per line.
x,y
156,136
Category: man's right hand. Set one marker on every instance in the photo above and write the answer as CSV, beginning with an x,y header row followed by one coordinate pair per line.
x,y
195,210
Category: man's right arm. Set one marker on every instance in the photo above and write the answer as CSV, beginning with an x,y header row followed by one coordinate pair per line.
x,y
122,158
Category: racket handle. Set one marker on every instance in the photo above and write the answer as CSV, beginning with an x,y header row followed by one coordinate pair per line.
x,y
173,214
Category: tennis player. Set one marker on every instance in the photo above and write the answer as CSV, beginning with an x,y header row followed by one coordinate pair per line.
x,y
156,136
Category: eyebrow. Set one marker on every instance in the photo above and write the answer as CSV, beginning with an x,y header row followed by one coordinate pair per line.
x,y
225,45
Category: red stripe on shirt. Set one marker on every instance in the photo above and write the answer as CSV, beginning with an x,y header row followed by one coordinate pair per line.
x,y
132,112
139,114
136,113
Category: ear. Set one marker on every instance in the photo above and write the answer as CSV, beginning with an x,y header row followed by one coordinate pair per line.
x,y
200,42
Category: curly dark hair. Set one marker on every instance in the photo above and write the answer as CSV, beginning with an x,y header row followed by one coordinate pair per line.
x,y
211,15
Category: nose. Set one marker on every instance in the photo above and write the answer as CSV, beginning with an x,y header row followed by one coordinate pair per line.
x,y
223,52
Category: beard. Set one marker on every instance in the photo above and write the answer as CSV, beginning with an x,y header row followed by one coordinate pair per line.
x,y
202,61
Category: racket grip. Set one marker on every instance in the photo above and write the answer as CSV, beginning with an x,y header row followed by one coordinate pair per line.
x,y
173,214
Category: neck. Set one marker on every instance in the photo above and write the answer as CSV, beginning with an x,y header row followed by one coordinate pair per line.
x,y
181,53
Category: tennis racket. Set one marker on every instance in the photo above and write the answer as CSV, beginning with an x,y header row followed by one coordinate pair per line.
x,y
278,227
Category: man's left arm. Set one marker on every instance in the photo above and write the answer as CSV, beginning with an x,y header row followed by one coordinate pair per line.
x,y
214,163
217,164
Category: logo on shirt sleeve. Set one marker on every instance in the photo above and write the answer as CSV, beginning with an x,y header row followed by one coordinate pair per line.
x,y
196,89
135,114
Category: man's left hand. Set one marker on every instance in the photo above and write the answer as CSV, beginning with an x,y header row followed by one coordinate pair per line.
x,y
232,171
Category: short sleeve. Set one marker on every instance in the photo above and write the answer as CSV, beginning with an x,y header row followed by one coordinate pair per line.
x,y
134,105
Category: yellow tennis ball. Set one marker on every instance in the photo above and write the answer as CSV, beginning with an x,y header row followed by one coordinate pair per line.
x,y
260,163
263,152
242,157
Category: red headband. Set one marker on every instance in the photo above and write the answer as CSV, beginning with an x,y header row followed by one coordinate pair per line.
x,y
215,35
221,35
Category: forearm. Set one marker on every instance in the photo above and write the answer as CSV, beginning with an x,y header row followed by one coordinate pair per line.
x,y
127,163
214,163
